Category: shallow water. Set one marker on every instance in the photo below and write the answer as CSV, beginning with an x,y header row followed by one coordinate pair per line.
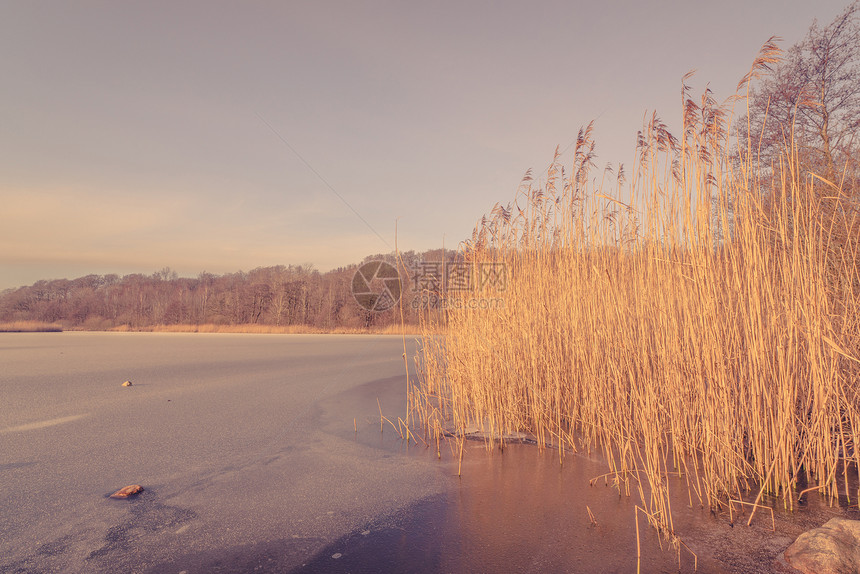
x,y
264,453
522,511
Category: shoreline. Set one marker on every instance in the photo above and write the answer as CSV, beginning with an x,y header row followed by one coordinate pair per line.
x,y
35,327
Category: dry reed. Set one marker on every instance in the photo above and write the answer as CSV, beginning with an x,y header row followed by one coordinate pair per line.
x,y
30,327
269,329
699,319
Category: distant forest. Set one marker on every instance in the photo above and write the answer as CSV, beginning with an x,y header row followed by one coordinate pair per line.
x,y
293,295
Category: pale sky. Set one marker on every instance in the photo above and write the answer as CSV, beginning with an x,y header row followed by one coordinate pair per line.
x,y
135,136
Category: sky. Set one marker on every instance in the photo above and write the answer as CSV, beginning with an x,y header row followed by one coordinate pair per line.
x,y
223,136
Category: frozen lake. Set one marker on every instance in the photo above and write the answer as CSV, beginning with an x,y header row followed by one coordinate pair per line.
x,y
248,450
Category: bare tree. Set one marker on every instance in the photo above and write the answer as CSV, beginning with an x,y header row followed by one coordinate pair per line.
x,y
810,101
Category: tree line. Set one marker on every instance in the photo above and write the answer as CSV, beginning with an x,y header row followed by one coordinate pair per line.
x,y
281,295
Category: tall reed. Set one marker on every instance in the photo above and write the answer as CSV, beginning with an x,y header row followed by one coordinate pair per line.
x,y
699,319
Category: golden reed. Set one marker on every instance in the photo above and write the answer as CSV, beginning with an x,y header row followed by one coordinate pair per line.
x,y
699,319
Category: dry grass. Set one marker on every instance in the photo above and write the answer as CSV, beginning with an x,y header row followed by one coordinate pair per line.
x,y
268,329
702,322
30,327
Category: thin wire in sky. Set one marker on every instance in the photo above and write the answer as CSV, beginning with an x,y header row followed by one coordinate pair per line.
x,y
321,178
